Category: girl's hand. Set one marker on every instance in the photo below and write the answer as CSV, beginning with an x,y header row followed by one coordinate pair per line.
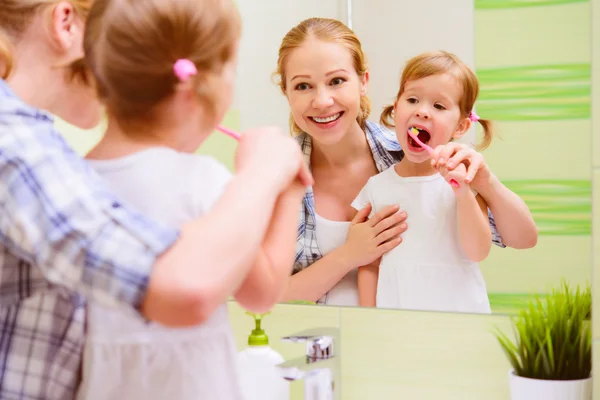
x,y
459,174
276,157
369,239
454,154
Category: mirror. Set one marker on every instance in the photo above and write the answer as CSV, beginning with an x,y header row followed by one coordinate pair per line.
x,y
535,85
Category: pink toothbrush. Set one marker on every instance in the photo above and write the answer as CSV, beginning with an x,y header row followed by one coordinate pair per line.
x,y
229,132
413,132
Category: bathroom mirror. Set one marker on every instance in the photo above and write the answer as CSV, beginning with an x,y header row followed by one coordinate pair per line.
x,y
535,84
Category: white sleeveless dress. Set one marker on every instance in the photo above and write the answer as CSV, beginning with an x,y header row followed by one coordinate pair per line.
x,y
428,270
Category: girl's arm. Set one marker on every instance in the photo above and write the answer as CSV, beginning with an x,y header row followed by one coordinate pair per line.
x,y
267,279
215,251
368,276
473,224
511,215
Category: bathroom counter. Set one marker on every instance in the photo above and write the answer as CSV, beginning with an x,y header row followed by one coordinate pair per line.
x,y
390,354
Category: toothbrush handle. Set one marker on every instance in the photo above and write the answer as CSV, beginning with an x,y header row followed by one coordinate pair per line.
x,y
229,132
427,148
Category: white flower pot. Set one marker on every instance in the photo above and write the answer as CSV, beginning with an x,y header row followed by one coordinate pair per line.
x,y
540,389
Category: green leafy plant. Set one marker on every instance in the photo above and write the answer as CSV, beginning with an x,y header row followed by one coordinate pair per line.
x,y
553,336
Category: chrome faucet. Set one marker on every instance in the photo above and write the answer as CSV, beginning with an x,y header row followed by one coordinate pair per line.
x,y
320,367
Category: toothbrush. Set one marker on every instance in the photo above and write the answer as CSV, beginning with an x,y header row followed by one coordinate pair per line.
x,y
413,132
229,132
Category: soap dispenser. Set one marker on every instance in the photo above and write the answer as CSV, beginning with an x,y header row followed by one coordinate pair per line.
x,y
260,378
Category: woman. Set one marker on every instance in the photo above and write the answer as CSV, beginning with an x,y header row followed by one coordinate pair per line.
x,y
66,239
323,74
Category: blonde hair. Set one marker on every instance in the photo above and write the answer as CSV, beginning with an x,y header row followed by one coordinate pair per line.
x,y
15,17
330,30
131,47
441,62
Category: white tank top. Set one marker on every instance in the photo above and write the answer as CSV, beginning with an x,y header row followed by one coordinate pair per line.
x,y
330,236
429,270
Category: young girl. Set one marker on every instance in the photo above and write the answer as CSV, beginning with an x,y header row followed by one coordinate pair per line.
x,y
436,267
165,71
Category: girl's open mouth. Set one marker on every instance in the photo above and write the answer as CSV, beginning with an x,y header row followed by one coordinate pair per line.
x,y
423,136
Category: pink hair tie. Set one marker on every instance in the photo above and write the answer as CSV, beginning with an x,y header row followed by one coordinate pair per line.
x,y
184,68
473,117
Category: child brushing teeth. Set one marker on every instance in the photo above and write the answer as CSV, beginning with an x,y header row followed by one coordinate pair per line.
x,y
435,268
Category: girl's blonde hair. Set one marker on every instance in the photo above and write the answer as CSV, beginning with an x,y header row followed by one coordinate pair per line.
x,y
442,62
15,17
329,30
131,47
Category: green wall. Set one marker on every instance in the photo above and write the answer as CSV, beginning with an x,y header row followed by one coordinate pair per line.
x,y
533,59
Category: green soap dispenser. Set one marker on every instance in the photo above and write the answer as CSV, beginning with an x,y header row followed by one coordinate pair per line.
x,y
257,337
260,377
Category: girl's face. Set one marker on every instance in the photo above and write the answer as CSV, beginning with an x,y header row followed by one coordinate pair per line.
x,y
323,89
431,105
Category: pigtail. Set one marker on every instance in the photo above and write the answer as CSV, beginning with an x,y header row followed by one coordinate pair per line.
x,y
365,111
488,133
294,128
6,56
387,117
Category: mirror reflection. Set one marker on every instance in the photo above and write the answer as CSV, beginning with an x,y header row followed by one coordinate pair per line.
x,y
534,86
518,220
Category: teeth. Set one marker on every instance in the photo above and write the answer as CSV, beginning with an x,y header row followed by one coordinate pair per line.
x,y
328,119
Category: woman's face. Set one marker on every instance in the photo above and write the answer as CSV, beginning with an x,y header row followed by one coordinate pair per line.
x,y
323,89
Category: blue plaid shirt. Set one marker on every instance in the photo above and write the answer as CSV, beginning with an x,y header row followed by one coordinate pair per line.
x,y
386,152
63,238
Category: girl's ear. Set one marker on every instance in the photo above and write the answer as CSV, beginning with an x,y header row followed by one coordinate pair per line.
x,y
462,128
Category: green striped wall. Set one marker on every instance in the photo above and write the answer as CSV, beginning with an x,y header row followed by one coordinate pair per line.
x,y
533,60
503,4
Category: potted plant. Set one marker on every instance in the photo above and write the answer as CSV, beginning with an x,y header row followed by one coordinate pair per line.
x,y
551,355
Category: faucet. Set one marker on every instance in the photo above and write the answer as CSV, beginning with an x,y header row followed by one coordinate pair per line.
x,y
320,367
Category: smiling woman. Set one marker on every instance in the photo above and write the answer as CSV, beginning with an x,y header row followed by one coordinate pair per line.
x,y
331,56
323,73
323,89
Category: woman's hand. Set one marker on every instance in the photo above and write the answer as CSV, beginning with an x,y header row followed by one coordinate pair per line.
x,y
369,239
513,219
453,154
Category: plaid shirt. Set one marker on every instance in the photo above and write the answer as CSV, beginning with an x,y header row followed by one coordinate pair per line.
x,y
63,236
386,152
